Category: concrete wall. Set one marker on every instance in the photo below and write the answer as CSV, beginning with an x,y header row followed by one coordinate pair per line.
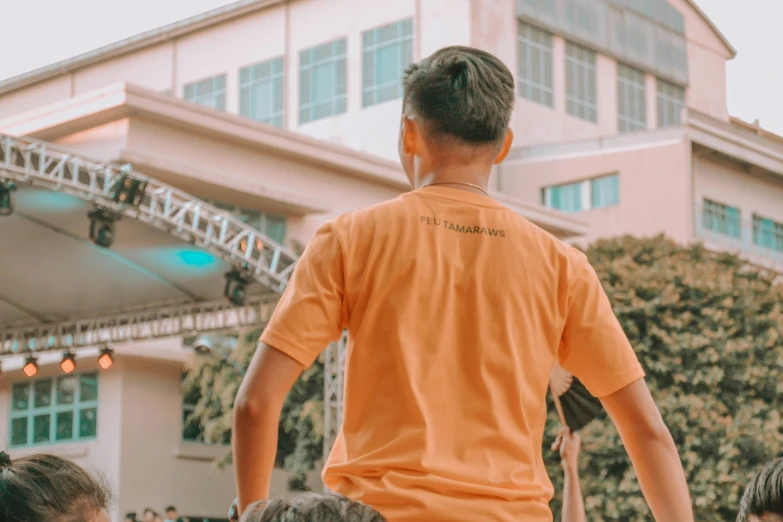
x,y
284,30
654,188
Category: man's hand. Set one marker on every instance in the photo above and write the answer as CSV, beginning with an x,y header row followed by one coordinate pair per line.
x,y
569,443
652,451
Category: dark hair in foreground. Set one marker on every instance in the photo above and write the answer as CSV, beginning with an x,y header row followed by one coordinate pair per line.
x,y
46,488
764,494
312,507
461,93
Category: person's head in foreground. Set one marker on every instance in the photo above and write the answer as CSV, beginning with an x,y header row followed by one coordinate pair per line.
x,y
311,507
46,488
763,498
457,107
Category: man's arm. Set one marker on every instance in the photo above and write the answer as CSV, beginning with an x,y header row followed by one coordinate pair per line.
x,y
652,451
256,418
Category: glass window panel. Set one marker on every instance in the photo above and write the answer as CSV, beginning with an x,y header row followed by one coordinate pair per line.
x,y
64,426
19,431
385,56
388,64
210,92
88,388
534,68
322,82
20,396
42,425
42,393
66,390
605,191
581,82
88,423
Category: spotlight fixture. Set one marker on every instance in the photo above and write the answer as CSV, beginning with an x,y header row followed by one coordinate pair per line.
x,y
106,358
102,226
7,189
68,363
128,190
236,286
30,366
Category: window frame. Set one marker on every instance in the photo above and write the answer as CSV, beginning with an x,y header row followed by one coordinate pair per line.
x,y
198,99
542,92
774,228
53,409
586,193
664,100
716,218
370,92
582,107
631,90
272,78
338,102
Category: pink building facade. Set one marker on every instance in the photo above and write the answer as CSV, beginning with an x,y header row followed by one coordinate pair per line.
x,y
287,113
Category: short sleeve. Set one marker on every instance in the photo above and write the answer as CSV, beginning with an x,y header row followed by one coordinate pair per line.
x,y
310,313
594,347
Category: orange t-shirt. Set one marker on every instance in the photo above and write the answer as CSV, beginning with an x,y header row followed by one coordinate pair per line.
x,y
456,310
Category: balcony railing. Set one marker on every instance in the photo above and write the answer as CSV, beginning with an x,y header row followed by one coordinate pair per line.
x,y
759,241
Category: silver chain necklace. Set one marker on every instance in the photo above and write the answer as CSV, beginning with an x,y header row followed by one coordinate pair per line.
x,y
457,183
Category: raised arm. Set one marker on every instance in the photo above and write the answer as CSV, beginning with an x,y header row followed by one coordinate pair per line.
x,y
652,451
569,445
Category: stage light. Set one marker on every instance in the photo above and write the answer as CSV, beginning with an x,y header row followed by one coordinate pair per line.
x,y
68,363
106,358
102,226
128,189
236,287
7,189
30,366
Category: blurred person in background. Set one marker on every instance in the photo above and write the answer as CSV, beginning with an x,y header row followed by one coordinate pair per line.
x,y
171,515
763,497
310,507
46,488
131,517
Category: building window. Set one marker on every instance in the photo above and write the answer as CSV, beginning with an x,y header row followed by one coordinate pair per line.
x,y
534,57
581,83
209,93
322,81
631,99
567,198
721,219
605,191
261,92
387,51
272,225
47,411
671,101
767,233
589,194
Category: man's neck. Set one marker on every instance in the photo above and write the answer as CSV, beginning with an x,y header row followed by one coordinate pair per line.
x,y
470,178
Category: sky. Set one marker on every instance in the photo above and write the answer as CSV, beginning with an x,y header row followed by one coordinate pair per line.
x,y
41,32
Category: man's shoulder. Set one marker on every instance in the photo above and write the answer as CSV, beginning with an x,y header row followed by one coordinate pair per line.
x,y
370,214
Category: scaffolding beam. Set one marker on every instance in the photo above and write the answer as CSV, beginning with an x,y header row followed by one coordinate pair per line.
x,y
167,321
162,206
334,370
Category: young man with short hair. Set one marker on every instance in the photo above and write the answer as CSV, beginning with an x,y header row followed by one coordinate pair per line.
x,y
457,309
763,498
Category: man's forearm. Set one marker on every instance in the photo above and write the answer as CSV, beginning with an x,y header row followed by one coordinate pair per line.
x,y
255,448
661,476
573,503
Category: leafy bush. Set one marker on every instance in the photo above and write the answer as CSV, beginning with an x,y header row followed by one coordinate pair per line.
x,y
708,329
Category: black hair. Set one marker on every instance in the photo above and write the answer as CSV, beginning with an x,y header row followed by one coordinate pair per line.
x,y
130,516
461,93
324,507
47,488
764,494
170,508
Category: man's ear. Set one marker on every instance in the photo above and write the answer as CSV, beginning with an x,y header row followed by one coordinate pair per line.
x,y
504,150
410,136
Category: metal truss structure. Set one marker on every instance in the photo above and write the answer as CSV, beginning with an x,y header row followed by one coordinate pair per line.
x,y
167,321
334,369
162,206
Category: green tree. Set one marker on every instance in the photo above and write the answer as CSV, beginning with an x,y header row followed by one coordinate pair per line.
x,y
708,329
212,384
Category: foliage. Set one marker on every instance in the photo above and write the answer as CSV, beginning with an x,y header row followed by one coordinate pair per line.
x,y
708,329
212,383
